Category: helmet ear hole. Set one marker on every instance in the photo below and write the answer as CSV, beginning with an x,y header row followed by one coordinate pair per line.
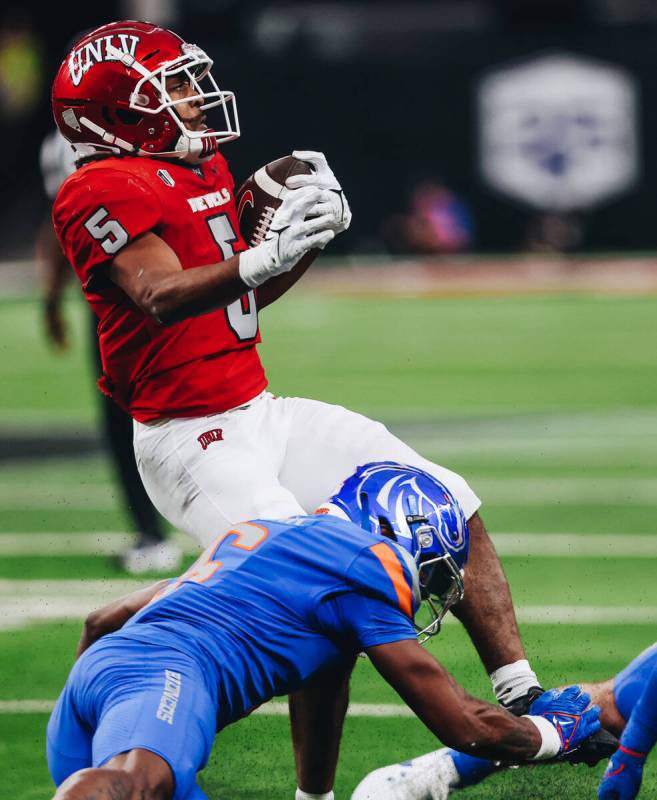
x,y
128,117
386,529
107,116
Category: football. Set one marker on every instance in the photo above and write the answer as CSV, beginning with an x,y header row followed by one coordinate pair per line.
x,y
262,193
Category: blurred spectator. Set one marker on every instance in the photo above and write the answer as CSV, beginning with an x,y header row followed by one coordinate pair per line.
x,y
437,221
554,233
151,551
20,72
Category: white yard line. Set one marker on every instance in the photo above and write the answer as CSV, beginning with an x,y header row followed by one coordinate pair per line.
x,y
23,602
272,709
493,491
586,615
103,543
566,545
624,422
576,545
566,491
65,497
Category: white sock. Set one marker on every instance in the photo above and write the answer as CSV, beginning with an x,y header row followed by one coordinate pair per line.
x,y
301,795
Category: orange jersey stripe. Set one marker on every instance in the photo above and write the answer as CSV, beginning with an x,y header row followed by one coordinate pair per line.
x,y
394,571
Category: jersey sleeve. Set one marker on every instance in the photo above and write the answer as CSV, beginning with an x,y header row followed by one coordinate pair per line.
x,y
97,213
358,621
378,602
383,570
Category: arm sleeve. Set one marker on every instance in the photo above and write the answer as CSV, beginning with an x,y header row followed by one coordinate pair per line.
x,y
97,213
640,734
359,621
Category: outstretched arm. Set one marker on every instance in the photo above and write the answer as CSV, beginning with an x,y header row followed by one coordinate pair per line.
x,y
114,615
455,717
473,726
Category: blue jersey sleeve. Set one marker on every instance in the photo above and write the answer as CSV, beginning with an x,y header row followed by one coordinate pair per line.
x,y
384,571
640,734
377,600
358,621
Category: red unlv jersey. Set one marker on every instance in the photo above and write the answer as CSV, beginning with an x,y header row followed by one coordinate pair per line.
x,y
202,365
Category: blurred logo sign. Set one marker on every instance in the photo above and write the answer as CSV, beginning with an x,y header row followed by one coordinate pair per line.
x,y
558,132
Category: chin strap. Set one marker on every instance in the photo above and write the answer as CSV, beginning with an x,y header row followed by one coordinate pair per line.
x,y
195,151
191,151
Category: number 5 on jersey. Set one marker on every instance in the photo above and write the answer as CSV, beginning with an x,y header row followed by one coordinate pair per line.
x,y
246,536
109,232
242,315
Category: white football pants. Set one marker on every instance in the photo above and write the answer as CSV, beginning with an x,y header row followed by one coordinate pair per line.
x,y
273,458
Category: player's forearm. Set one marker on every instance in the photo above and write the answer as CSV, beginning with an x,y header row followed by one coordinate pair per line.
x,y
115,614
189,293
56,268
487,610
316,717
451,714
491,732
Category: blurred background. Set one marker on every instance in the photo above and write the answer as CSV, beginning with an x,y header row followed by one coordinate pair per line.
x,y
494,302
479,125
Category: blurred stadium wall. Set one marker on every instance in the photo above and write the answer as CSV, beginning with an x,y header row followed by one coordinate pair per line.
x,y
538,116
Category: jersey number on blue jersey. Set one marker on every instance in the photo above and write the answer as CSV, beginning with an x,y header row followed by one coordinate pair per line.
x,y
244,537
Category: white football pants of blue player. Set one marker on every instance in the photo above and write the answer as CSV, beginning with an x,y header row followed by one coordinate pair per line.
x,y
273,458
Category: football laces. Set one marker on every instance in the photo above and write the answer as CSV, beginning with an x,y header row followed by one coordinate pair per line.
x,y
262,227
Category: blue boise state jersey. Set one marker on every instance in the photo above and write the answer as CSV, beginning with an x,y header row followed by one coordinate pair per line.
x,y
272,602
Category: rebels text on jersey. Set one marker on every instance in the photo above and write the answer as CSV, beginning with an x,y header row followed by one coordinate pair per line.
x,y
199,366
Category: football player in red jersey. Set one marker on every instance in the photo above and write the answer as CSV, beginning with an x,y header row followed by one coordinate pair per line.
x,y
149,224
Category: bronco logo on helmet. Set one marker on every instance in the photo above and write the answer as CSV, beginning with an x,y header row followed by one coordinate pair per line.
x,y
419,513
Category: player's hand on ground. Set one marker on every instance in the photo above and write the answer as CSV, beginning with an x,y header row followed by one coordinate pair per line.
x,y
568,712
290,236
335,203
622,778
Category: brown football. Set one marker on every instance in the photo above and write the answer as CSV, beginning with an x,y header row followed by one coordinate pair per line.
x,y
262,193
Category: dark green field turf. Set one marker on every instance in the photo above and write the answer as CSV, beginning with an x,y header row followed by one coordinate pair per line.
x,y
395,358
547,404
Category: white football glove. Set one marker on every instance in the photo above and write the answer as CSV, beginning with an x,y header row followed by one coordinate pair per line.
x,y
290,236
323,178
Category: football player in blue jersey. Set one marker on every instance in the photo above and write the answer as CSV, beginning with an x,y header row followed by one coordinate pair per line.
x,y
271,606
636,699
628,709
